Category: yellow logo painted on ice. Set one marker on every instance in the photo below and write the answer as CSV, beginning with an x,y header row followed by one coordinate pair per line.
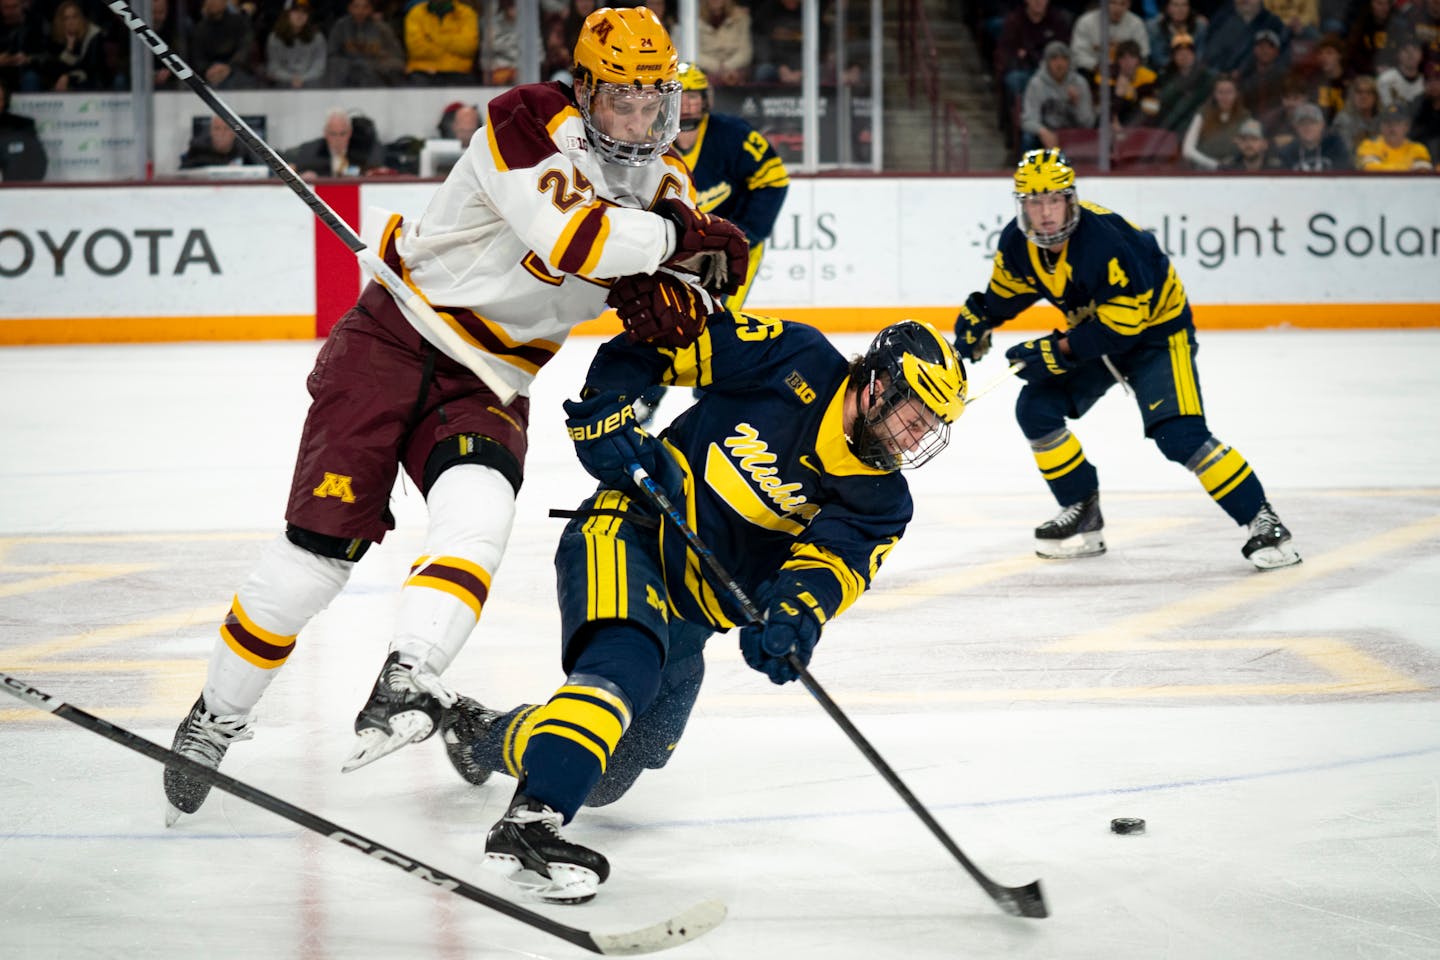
x,y
335,485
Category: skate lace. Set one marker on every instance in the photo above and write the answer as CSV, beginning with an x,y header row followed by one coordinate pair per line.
x,y
1069,515
1265,522
544,818
419,680
209,735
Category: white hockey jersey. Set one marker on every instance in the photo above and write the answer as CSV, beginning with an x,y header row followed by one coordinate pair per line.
x,y
521,241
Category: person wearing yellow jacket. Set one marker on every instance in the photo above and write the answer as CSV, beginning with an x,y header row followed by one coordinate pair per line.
x,y
442,39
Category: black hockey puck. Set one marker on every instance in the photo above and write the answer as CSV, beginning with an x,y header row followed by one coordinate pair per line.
x,y
1127,825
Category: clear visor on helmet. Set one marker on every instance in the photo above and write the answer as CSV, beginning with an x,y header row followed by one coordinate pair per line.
x,y
897,430
1047,219
628,124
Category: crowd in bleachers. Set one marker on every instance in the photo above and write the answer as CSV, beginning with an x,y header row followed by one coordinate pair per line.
x,y
1308,85
58,45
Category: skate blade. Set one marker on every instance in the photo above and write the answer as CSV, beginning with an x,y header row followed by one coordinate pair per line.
x,y
1071,548
566,885
1273,558
406,728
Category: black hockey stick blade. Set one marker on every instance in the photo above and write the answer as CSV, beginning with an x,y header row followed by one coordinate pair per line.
x,y
672,932
1026,901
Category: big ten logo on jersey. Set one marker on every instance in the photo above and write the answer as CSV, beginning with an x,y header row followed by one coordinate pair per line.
x,y
753,329
335,485
803,390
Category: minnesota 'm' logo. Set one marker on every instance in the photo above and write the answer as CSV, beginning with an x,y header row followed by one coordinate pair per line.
x,y
602,30
335,485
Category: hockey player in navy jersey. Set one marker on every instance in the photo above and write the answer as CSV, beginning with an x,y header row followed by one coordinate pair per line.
x,y
570,200
1126,317
738,176
787,468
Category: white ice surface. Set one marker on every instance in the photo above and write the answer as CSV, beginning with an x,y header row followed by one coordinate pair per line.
x,y
1279,732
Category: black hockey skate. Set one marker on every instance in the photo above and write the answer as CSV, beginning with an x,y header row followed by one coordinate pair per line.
x,y
404,707
525,846
1269,544
461,727
1076,531
203,737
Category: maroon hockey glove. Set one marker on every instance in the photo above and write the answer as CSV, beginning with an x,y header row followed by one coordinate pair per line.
x,y
660,309
712,248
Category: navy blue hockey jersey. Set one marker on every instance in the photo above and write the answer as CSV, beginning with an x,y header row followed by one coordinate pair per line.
x,y
769,479
738,175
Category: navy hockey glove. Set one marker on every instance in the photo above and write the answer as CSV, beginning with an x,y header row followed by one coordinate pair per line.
x,y
660,309
790,627
608,440
1042,358
972,329
712,248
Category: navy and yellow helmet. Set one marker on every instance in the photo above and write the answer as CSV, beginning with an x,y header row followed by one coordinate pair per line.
x,y
907,361
1040,172
692,78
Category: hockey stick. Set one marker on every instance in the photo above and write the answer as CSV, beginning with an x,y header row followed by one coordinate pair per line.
x,y
1013,369
686,926
1026,901
430,324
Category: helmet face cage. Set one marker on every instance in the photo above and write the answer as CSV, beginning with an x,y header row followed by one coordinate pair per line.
x,y
912,387
1041,172
625,65
613,100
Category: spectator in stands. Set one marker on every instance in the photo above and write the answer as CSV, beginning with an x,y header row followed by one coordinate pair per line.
x,y
222,45
1424,17
1134,93
1252,151
1369,46
575,19
363,50
1314,149
1262,81
503,66
22,155
1393,150
1177,19
1301,19
464,123
295,50
1425,128
778,38
1403,84
1025,33
1183,86
1230,44
77,60
1057,98
1210,138
1124,25
1330,77
558,56
1360,118
171,23
725,46
217,146
442,43
24,47
1279,123
339,152
662,10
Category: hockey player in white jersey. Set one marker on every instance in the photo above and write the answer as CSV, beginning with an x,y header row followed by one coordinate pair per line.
x,y
571,198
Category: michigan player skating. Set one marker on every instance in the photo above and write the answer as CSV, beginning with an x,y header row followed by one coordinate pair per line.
x,y
569,189
1127,318
787,467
